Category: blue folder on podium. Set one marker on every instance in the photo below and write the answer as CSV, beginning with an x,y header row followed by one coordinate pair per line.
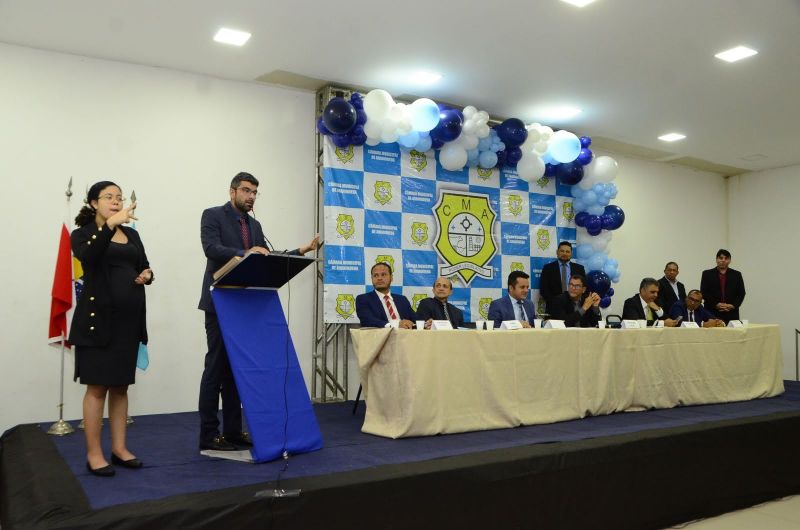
x,y
276,403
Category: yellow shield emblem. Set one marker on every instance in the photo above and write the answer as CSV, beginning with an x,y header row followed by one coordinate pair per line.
x,y
483,307
383,191
567,211
515,205
543,238
345,305
344,154
345,225
386,258
418,160
419,232
417,299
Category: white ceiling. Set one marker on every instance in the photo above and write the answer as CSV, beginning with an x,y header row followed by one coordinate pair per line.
x,y
637,68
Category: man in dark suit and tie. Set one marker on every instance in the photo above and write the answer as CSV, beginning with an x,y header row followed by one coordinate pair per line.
x,y
577,308
516,305
555,276
438,308
380,308
723,288
692,310
225,232
643,306
670,290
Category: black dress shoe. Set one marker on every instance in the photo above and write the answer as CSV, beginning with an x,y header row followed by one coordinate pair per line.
x,y
133,463
105,471
218,443
239,438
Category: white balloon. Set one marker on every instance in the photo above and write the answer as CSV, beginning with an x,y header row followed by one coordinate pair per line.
x,y
398,112
483,131
377,103
530,167
605,168
372,129
372,141
469,111
389,137
469,127
540,147
483,116
453,157
468,141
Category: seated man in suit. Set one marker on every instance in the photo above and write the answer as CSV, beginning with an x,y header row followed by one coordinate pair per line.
x,y
692,310
670,290
377,308
556,274
643,306
577,308
723,288
516,305
438,308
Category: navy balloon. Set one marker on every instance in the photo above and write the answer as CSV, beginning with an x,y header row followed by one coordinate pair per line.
x,y
512,132
436,143
585,156
593,224
607,222
501,158
361,116
358,136
449,128
598,282
513,156
616,214
321,127
580,218
550,170
610,292
341,140
585,141
570,173
605,302
339,116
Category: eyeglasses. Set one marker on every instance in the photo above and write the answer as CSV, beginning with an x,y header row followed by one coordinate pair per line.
x,y
110,197
695,300
575,286
248,191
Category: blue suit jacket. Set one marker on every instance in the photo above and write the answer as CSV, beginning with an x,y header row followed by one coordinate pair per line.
x,y
701,314
501,309
370,309
221,237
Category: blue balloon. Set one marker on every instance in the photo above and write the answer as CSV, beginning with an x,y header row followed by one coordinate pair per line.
x,y
547,158
564,148
569,174
484,144
598,282
361,117
409,140
425,143
578,205
436,143
487,159
449,127
512,132
596,262
605,302
580,217
583,251
550,170
585,141
501,158
576,191
339,116
596,210
358,136
589,197
616,215
513,156
610,292
424,114
585,156
341,140
610,268
321,127
593,224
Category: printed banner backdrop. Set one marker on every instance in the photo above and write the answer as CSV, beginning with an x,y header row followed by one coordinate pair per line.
x,y
476,225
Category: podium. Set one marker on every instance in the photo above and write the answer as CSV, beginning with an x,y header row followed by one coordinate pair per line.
x,y
276,403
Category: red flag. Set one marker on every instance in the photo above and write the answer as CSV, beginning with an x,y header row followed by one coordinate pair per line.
x,y
62,290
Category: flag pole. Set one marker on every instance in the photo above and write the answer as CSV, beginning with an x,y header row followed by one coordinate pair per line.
x,y
61,427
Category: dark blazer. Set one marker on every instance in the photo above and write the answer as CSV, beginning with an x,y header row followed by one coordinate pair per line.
x,y
221,237
564,309
370,309
501,309
633,310
89,245
734,293
701,314
431,308
666,296
550,280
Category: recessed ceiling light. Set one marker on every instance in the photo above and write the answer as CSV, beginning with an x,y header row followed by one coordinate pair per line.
x,y
735,54
558,113
232,36
425,78
672,137
579,3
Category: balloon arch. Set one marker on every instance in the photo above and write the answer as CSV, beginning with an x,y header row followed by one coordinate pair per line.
x,y
464,138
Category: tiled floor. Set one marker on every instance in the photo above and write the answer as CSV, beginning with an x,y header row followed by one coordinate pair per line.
x,y
783,514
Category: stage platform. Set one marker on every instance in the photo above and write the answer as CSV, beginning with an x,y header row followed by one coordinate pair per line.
x,y
646,469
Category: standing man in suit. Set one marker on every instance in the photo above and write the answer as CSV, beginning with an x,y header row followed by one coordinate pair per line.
x,y
379,307
556,274
643,306
723,288
670,290
516,305
227,231
577,308
692,310
438,308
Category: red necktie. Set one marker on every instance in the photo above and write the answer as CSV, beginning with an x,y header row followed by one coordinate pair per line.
x,y
245,232
392,315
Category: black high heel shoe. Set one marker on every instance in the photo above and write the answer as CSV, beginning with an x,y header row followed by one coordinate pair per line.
x,y
133,463
105,471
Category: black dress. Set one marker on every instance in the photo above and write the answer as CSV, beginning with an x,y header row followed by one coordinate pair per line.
x,y
114,364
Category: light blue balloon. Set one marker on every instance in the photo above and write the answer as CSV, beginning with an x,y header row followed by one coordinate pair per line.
x,y
564,149
596,209
590,198
583,251
576,191
603,200
487,159
424,144
409,140
484,144
578,205
596,262
547,158
599,188
615,278
610,268
424,115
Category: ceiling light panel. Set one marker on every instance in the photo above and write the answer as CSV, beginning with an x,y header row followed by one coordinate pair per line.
x,y
232,36
736,54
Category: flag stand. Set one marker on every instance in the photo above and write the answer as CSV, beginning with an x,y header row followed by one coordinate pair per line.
x,y
61,427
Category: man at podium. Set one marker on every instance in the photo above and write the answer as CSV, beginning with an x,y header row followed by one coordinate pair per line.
x,y
225,232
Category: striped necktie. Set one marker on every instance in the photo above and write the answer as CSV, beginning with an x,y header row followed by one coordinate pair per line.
x,y
392,314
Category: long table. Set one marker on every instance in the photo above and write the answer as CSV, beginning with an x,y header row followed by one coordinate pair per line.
x,y
420,383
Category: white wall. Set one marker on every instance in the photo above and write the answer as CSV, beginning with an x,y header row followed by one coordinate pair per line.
x,y
765,248
177,139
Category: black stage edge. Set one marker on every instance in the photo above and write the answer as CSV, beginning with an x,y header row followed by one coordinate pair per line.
x,y
649,479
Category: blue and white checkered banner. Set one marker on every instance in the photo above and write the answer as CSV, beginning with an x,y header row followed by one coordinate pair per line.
x,y
402,207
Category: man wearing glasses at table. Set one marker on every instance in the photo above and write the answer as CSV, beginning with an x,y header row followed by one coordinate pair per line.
x,y
225,232
692,310
577,308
